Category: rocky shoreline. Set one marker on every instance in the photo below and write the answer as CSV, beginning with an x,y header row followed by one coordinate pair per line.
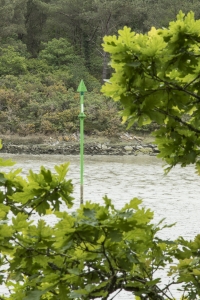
x,y
65,148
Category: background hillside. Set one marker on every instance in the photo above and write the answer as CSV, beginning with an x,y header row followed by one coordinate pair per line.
x,y
47,47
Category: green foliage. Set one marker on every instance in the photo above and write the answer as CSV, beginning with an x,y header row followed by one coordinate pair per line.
x,y
49,44
82,24
101,115
12,18
41,103
39,193
90,253
156,79
11,62
58,53
187,271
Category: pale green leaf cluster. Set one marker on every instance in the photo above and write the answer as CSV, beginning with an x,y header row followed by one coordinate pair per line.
x,y
157,78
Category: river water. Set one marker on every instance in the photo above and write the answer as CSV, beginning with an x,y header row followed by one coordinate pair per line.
x,y
174,197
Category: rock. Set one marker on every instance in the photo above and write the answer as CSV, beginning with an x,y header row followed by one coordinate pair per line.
x,y
128,148
145,150
152,145
104,147
155,150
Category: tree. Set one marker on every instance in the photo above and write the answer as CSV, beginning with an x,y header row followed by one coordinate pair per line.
x,y
58,52
36,16
11,62
160,12
85,23
12,19
91,253
156,79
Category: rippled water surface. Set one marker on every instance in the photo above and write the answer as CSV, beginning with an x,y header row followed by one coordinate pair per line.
x,y
174,197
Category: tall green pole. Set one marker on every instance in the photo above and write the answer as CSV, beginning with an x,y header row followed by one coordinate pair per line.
x,y
81,89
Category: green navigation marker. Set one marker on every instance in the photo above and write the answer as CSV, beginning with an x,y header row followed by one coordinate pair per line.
x,y
81,89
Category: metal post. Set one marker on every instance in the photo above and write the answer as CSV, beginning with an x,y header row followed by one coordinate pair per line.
x,y
81,90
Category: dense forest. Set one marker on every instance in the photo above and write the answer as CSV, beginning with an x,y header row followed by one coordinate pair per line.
x,y
47,47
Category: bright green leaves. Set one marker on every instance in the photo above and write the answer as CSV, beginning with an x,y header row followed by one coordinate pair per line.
x,y
24,247
185,24
3,211
126,36
156,79
88,254
44,190
99,242
20,222
62,171
121,44
6,163
187,270
154,45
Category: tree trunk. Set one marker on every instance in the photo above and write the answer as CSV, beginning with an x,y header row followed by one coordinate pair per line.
x,y
105,66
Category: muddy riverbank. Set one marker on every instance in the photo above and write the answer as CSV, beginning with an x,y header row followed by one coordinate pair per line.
x,y
73,149
123,145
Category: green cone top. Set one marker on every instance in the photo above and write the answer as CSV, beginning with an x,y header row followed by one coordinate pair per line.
x,y
82,88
